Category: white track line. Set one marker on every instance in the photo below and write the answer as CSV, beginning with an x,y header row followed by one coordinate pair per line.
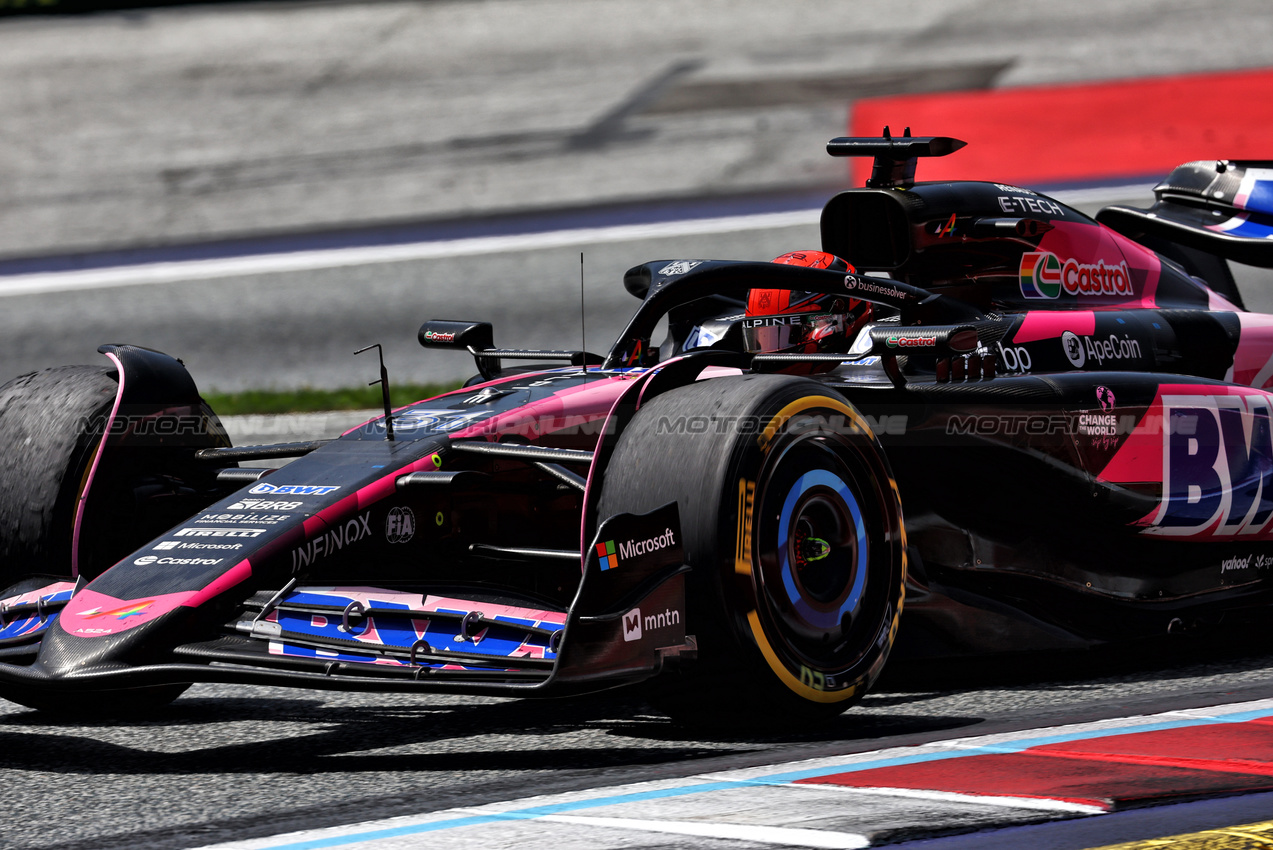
x,y
1030,803
330,258
781,835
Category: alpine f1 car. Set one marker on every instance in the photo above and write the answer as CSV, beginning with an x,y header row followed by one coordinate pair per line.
x,y
975,420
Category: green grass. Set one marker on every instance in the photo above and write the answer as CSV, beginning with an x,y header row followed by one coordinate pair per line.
x,y
309,400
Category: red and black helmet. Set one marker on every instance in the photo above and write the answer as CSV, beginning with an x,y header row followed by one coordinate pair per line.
x,y
784,320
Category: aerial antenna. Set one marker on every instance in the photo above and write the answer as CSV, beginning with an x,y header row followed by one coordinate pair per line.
x,y
583,326
384,387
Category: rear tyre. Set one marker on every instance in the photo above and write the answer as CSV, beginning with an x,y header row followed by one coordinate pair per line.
x,y
793,527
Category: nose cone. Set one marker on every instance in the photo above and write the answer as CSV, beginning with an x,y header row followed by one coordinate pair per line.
x,y
90,639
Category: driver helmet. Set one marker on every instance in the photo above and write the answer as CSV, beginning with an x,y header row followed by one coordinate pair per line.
x,y
789,321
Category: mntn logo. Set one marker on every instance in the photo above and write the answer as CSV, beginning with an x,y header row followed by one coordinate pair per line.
x,y
632,625
609,560
635,625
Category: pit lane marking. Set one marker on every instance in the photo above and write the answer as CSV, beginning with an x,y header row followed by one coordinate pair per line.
x,y
557,807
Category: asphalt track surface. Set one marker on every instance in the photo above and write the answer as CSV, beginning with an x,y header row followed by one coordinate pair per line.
x,y
225,763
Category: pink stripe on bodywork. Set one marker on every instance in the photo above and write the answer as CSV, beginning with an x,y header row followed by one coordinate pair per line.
x,y
564,407
93,614
1253,359
1050,324
97,456
363,497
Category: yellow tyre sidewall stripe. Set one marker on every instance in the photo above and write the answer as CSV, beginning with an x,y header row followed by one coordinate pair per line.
x,y
753,617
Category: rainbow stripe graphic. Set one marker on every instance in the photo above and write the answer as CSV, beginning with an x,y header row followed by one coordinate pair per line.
x,y
1040,275
124,613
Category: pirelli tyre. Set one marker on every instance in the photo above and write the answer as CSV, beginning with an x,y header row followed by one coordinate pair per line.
x,y
50,425
793,529
51,428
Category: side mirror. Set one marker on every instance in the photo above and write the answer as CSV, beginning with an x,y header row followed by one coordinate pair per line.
x,y
449,333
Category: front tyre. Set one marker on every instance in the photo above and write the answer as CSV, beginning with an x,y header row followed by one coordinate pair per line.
x,y
793,527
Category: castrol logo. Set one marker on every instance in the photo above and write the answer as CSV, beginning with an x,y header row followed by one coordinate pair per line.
x,y
1044,275
911,341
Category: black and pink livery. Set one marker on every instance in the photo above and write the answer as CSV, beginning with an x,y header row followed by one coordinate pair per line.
x,y
1054,432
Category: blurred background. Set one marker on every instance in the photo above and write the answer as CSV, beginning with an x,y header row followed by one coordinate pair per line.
x,y
261,188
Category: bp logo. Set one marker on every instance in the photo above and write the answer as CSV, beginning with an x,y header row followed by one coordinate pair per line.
x,y
605,551
400,525
1040,275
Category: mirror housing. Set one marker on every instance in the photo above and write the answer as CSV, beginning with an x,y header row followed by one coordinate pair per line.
x,y
453,334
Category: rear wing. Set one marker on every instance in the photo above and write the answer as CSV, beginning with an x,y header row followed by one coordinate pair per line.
x,y
1222,207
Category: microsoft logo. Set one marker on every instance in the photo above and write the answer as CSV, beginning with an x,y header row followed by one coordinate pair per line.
x,y
605,551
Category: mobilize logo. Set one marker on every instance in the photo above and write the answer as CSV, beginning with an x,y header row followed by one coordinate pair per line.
x,y
632,548
331,542
635,624
147,560
295,489
1043,275
263,505
253,518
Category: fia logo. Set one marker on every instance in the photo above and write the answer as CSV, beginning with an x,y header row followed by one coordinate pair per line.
x,y
632,625
400,525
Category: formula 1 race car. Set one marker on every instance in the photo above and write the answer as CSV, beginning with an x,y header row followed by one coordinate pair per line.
x,y
1034,429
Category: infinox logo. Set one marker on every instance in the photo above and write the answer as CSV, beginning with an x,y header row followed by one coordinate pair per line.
x,y
1043,276
332,541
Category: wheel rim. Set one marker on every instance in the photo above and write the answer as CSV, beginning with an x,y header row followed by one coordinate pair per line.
x,y
814,551
822,551
826,553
